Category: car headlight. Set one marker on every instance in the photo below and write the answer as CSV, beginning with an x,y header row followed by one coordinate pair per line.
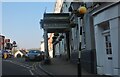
x,y
38,55
26,55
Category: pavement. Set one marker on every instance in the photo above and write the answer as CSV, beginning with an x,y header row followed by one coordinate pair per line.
x,y
65,68
61,67
57,68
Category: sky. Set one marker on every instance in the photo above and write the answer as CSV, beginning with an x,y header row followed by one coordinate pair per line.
x,y
20,22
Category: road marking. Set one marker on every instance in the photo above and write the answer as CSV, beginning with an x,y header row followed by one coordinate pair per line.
x,y
21,66
39,65
35,66
28,67
31,72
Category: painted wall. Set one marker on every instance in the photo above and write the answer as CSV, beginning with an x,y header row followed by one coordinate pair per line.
x,y
108,14
99,49
111,15
119,42
114,40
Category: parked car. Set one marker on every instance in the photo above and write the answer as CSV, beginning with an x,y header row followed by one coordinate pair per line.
x,y
34,55
0,54
6,54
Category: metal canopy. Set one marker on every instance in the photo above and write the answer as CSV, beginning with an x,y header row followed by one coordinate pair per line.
x,y
55,22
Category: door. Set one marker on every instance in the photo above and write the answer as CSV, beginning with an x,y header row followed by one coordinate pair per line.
x,y
108,54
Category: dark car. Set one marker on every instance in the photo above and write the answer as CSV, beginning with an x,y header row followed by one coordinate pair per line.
x,y
34,55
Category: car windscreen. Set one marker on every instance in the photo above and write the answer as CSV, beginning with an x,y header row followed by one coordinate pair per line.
x,y
34,51
5,51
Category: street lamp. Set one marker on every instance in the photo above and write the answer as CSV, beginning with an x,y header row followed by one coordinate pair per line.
x,y
79,11
82,10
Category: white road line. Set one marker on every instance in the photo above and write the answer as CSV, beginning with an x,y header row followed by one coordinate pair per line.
x,y
31,72
39,65
35,66
21,63
21,66
17,64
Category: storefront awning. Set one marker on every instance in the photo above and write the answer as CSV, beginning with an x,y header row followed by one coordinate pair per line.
x,y
55,22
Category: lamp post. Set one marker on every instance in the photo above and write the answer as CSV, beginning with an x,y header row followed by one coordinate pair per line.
x,y
78,9
82,10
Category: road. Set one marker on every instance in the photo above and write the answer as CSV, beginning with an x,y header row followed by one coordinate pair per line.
x,y
17,66
9,68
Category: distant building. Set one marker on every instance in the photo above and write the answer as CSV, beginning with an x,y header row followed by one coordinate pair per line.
x,y
57,9
50,45
18,53
58,6
5,43
42,46
8,45
2,38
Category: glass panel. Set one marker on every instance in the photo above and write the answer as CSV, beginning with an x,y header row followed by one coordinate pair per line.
x,y
107,52
109,44
106,45
110,50
105,26
106,38
109,38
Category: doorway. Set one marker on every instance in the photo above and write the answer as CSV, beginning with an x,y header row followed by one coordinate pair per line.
x,y
108,54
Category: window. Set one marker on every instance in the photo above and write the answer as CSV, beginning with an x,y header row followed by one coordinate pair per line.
x,y
106,32
105,26
108,44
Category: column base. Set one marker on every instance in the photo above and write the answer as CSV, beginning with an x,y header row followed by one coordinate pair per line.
x,y
47,61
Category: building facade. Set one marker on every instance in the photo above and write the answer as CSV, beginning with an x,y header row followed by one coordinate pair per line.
x,y
100,39
2,38
71,41
100,35
5,44
107,28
